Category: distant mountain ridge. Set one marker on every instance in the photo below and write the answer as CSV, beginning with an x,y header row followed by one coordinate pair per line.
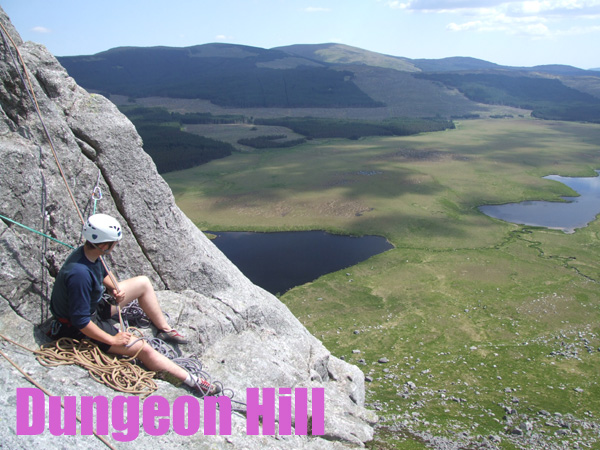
x,y
345,54
229,75
335,76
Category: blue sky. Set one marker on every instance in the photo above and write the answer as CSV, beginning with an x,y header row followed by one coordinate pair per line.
x,y
508,32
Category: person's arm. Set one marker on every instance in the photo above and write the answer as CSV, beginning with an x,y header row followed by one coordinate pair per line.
x,y
118,294
93,331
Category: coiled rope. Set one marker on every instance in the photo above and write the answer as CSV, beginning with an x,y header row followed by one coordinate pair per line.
x,y
119,374
134,316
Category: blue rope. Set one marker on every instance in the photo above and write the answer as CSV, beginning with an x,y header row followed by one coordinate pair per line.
x,y
35,231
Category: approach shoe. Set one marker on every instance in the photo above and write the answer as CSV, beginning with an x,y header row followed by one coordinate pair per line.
x,y
207,388
172,336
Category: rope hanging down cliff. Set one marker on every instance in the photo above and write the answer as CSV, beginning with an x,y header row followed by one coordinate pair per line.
x,y
28,86
30,92
72,350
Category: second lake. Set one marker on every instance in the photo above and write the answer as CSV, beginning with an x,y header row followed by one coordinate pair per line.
x,y
575,212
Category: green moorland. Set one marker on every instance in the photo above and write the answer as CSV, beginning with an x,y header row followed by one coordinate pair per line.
x,y
491,330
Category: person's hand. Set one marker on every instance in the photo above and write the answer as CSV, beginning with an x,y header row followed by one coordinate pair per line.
x,y
118,295
121,338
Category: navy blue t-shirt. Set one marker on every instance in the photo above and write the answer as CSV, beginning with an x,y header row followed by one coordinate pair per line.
x,y
78,289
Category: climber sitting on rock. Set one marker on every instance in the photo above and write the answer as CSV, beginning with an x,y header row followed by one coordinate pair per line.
x,y
79,311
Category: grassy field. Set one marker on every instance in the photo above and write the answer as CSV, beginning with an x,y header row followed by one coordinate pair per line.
x,y
491,330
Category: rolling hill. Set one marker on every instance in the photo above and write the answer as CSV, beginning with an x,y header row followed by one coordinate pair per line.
x,y
345,54
336,76
227,75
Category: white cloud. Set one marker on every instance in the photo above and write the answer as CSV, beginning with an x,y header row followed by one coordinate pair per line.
x,y
558,9
533,7
475,25
580,7
535,30
446,5
223,37
398,5
40,29
536,18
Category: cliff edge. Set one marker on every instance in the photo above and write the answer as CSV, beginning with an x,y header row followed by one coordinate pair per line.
x,y
244,336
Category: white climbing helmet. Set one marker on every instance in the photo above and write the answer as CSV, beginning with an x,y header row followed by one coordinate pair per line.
x,y
102,228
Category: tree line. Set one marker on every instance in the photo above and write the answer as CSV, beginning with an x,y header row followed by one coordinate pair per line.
x,y
171,148
313,127
547,98
271,141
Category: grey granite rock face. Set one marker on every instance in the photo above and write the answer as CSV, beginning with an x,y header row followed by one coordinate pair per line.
x,y
244,336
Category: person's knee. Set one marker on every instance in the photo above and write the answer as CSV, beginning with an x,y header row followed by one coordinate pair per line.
x,y
148,352
141,351
144,282
134,349
151,358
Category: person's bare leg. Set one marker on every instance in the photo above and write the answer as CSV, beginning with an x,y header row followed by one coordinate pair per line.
x,y
141,288
157,362
151,359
